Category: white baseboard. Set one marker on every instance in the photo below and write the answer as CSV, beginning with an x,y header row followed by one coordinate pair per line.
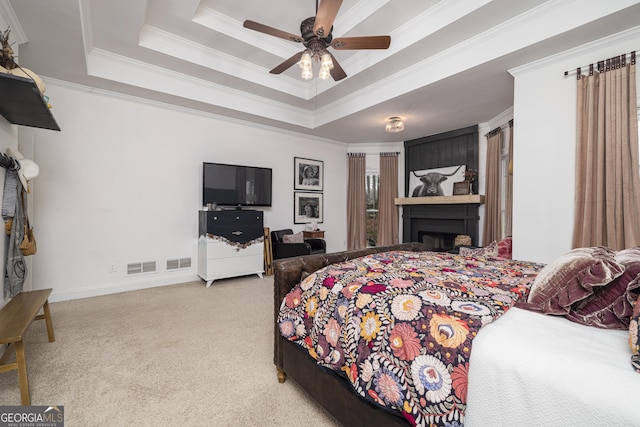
x,y
113,288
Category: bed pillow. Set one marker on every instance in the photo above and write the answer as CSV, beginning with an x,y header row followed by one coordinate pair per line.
x,y
293,238
634,336
490,251
505,248
573,277
611,306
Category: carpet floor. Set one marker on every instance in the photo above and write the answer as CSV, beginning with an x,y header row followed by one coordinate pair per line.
x,y
180,355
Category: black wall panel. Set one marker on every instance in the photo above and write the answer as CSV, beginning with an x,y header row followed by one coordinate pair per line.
x,y
458,147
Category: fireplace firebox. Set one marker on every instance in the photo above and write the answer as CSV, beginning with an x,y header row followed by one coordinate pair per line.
x,y
438,225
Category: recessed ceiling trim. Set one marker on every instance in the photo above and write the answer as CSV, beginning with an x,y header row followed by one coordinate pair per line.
x,y
223,24
169,44
421,26
118,68
347,20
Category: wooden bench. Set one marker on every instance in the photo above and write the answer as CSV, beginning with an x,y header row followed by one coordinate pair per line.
x,y
15,318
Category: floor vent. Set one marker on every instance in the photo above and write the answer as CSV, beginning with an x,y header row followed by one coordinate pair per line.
x,y
141,267
175,264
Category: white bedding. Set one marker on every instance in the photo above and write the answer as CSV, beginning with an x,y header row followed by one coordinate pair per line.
x,y
529,369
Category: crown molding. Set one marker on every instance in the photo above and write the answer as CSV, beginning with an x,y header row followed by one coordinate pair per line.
x,y
178,47
186,110
10,20
629,35
119,68
224,24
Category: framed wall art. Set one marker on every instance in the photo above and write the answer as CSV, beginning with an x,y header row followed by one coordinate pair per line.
x,y
435,182
308,174
307,207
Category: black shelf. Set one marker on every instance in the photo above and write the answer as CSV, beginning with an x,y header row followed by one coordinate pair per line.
x,y
21,103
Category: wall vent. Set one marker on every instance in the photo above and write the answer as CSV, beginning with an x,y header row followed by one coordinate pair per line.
x,y
134,268
175,264
148,267
141,267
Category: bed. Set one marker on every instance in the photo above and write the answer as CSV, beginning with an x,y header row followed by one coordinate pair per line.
x,y
525,367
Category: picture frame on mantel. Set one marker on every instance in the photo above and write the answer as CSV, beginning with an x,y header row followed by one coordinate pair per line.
x,y
307,207
308,174
461,188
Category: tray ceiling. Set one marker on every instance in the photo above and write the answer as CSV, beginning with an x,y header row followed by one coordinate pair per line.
x,y
447,66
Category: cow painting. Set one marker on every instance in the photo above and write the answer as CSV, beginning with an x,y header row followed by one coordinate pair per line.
x,y
435,182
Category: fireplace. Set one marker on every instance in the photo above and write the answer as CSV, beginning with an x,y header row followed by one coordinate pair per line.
x,y
442,222
438,225
436,241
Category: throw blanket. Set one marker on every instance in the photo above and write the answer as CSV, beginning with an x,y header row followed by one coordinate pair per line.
x,y
399,325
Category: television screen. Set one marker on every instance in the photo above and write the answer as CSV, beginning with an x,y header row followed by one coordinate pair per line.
x,y
235,185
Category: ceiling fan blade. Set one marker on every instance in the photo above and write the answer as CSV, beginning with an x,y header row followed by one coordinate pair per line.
x,y
337,73
252,25
327,12
368,42
287,64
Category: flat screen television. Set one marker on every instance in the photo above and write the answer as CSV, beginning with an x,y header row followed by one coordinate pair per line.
x,y
235,185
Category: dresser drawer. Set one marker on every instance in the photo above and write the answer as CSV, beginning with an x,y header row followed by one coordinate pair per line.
x,y
220,249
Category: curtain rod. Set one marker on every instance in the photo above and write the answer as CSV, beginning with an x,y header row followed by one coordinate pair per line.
x,y
493,132
390,154
356,154
606,64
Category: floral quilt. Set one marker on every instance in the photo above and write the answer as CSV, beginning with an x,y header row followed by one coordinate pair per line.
x,y
399,325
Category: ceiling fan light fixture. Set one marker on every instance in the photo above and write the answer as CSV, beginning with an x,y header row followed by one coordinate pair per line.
x,y
323,74
394,124
326,62
305,60
307,73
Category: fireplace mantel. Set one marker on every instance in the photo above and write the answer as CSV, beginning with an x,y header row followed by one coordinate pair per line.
x,y
441,200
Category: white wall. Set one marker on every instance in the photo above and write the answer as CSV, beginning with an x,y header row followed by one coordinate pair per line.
x,y
122,183
544,147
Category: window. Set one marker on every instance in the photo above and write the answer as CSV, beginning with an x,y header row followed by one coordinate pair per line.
x,y
372,193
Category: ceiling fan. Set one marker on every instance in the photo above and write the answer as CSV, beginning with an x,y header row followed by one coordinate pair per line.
x,y
316,36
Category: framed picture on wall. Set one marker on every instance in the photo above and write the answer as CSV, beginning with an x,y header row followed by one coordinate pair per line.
x,y
307,208
435,182
308,174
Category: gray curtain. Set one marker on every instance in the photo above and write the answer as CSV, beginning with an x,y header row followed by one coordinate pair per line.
x,y
607,202
387,209
493,201
356,202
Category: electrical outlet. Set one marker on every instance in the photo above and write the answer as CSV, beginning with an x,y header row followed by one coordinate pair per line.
x,y
112,267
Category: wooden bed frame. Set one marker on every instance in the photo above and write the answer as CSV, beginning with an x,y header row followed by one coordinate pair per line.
x,y
331,391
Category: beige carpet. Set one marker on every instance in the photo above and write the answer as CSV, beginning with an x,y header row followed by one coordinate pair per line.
x,y
182,355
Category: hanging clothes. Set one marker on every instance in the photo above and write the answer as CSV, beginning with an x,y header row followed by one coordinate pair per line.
x,y
10,194
12,207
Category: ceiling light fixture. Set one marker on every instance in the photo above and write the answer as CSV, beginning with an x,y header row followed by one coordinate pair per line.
x,y
394,124
306,64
